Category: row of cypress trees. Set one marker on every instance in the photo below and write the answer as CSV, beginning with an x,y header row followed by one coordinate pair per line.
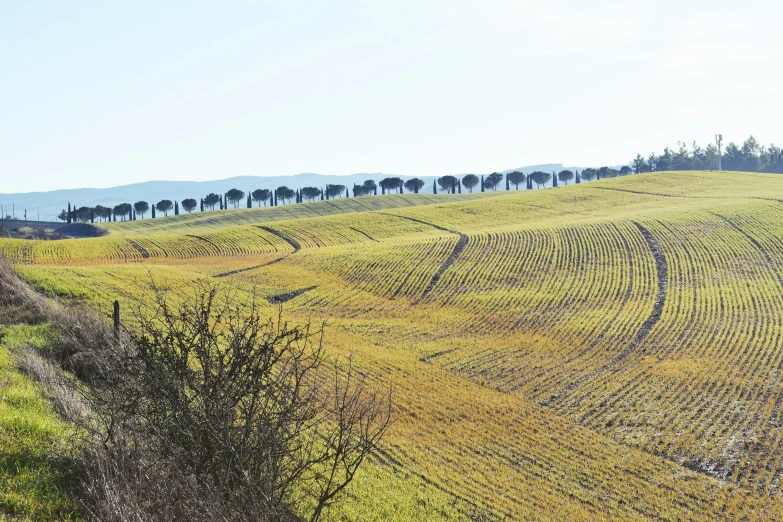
x,y
449,184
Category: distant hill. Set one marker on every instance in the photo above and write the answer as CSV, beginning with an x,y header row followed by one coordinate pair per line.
x,y
49,204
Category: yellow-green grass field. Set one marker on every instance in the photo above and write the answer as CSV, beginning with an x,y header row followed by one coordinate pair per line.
x,y
608,350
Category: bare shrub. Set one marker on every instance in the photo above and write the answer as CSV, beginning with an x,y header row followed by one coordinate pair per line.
x,y
212,412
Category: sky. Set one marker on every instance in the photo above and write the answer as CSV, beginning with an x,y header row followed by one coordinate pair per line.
x,y
105,93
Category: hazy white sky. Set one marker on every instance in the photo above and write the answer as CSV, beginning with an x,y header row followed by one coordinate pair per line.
x,y
102,93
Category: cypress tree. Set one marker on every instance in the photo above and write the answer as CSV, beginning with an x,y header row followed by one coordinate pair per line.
x,y
459,187
133,218
482,183
554,179
346,193
202,204
153,211
598,175
249,201
271,199
434,187
92,215
507,187
176,208
68,216
578,180
375,191
322,195
275,199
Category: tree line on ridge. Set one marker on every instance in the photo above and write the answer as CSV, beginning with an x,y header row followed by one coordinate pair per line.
x,y
751,156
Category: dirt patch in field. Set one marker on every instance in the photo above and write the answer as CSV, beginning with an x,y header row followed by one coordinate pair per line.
x,y
284,298
140,249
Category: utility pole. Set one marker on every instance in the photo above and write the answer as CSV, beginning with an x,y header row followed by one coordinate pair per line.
x,y
719,142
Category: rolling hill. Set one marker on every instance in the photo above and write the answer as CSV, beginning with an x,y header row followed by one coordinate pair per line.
x,y
610,350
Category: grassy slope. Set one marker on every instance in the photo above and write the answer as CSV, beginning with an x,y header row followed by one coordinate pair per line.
x,y
543,300
198,222
34,480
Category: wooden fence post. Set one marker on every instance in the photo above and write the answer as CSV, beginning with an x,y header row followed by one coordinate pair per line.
x,y
116,317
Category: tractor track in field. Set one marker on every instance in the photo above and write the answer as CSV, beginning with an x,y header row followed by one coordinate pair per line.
x,y
365,234
647,193
285,237
205,240
458,248
240,270
662,270
284,298
140,249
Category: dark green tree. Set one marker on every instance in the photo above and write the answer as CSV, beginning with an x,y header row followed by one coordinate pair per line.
x,y
391,184
469,181
189,205
123,210
540,178
370,187
565,176
448,183
515,178
164,205
261,195
493,180
589,174
332,191
414,185
235,196
310,193
141,207
211,200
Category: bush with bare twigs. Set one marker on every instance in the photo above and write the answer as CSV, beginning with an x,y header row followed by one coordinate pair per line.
x,y
205,410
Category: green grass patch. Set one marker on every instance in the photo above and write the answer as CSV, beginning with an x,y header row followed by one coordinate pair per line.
x,y
35,476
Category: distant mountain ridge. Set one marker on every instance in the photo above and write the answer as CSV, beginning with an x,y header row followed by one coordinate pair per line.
x,y
50,203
